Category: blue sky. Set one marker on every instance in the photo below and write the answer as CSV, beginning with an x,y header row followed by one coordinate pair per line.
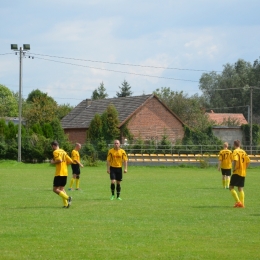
x,y
193,35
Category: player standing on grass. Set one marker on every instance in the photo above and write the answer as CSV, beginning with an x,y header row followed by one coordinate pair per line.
x,y
61,159
225,164
116,157
75,166
240,164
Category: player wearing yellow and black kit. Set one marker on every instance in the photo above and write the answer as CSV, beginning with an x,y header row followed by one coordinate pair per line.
x,y
116,157
240,164
61,160
75,166
225,164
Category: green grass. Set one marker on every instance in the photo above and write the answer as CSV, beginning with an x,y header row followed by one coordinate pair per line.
x,y
166,213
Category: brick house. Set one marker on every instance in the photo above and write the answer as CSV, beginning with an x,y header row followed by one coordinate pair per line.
x,y
147,117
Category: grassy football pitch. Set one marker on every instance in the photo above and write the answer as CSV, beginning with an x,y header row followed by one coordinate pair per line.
x,y
166,213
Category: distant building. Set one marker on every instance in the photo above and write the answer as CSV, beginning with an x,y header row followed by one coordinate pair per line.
x,y
15,120
146,116
227,126
222,118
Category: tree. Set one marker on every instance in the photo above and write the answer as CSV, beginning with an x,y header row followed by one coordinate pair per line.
x,y
110,124
41,110
63,110
95,128
124,90
99,93
188,109
229,90
8,103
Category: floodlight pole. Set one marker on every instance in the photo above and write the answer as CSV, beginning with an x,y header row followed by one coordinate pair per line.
x,y
21,51
251,113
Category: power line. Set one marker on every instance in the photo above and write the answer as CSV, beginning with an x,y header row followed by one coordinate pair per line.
x,y
6,53
124,64
117,71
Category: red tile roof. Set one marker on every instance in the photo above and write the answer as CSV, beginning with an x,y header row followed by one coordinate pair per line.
x,y
218,118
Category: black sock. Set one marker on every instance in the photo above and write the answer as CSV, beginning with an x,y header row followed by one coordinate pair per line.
x,y
112,188
118,189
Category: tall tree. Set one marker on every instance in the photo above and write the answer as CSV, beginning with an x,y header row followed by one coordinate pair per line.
x,y
125,90
8,103
95,128
229,90
42,109
110,124
188,109
99,93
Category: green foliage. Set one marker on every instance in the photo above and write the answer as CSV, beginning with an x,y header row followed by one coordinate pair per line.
x,y
110,124
63,110
95,128
255,134
47,131
199,138
90,156
164,145
230,88
8,103
138,146
42,109
36,128
58,133
12,130
99,93
126,132
125,90
3,128
188,109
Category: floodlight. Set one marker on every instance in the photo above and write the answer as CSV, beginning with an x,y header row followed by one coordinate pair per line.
x,y
26,47
14,47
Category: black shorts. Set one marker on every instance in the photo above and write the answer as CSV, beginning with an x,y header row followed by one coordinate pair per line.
x,y
59,181
226,172
75,169
116,173
237,180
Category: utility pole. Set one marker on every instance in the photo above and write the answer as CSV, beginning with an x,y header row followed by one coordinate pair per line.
x,y
251,113
21,52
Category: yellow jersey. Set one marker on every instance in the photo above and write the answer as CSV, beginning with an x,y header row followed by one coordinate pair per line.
x,y
75,156
61,168
116,157
241,160
225,156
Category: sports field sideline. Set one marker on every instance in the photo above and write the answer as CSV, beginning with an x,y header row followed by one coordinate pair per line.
x,y
166,213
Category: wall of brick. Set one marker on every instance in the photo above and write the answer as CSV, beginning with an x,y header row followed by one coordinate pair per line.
x,y
153,120
76,135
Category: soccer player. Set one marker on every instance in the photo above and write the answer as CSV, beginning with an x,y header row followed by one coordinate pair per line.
x,y
240,164
75,166
61,159
225,164
116,157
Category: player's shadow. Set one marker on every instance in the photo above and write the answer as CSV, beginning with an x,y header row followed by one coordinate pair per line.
x,y
255,215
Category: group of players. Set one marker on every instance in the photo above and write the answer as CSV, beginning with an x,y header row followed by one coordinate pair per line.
x,y
116,158
240,161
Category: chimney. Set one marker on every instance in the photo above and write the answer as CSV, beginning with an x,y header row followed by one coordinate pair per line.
x,y
88,102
